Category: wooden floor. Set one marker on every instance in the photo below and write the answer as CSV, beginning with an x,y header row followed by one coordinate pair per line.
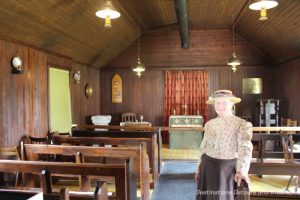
x,y
265,184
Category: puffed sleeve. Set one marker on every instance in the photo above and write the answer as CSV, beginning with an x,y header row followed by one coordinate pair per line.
x,y
202,146
244,148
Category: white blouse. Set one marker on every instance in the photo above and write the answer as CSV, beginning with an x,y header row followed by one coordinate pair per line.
x,y
228,138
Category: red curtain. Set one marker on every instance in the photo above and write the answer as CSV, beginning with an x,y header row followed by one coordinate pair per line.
x,y
185,88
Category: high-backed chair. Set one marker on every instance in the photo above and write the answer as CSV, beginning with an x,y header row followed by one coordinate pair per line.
x,y
128,117
10,153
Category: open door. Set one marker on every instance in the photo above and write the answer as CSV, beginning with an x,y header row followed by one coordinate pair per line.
x,y
60,100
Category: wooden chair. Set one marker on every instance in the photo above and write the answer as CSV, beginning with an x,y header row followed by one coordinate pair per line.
x,y
288,150
38,140
42,140
292,123
11,153
128,117
283,121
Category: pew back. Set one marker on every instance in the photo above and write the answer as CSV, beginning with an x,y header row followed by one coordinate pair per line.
x,y
127,138
151,145
123,173
137,154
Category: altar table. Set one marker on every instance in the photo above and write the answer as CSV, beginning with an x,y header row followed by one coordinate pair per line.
x,y
185,139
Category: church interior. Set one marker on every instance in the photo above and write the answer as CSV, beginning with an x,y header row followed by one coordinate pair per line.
x,y
107,99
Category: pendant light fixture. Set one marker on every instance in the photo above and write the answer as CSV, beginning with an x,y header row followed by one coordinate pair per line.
x,y
263,5
233,61
139,66
108,13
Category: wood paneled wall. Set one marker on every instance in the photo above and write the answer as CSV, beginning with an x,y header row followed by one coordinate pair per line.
x,y
24,97
83,108
286,88
146,95
160,50
207,48
140,95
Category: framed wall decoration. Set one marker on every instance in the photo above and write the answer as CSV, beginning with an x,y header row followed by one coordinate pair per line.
x,y
116,89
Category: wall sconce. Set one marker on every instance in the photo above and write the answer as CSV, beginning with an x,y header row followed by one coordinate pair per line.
x,y
17,65
76,77
88,91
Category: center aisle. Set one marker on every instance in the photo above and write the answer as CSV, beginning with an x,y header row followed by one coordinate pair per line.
x,y
176,181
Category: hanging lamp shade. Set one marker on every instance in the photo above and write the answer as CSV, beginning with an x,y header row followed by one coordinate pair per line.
x,y
233,62
108,13
139,67
263,5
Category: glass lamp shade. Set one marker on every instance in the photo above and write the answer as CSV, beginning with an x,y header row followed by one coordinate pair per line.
x,y
263,5
139,67
108,13
266,4
234,61
17,62
17,65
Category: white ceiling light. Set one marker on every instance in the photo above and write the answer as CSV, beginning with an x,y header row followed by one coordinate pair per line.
x,y
263,5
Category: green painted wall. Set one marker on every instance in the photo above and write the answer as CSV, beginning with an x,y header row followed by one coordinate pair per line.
x,y
60,100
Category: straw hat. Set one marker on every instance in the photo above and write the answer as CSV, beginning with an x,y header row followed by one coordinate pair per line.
x,y
223,94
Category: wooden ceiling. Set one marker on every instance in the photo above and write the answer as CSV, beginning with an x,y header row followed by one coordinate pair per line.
x,y
70,27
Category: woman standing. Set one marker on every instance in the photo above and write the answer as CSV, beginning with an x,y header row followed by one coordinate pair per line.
x,y
225,152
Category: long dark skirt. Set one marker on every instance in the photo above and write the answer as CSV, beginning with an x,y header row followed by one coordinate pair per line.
x,y
216,180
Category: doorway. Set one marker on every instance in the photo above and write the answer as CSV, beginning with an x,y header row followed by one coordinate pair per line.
x,y
60,100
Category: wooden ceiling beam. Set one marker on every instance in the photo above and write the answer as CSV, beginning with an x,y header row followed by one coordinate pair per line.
x,y
182,19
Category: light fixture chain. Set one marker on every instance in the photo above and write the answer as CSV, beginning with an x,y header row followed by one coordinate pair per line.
x,y
233,43
138,38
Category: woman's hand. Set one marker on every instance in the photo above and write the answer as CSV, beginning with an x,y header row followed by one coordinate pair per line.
x,y
197,176
238,178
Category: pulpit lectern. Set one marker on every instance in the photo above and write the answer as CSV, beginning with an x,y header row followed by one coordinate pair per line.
x,y
185,139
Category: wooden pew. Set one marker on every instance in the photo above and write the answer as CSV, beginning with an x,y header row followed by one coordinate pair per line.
x,y
138,155
261,139
12,194
116,138
123,173
274,169
62,194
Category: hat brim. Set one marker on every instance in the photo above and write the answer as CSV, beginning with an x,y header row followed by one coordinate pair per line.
x,y
235,100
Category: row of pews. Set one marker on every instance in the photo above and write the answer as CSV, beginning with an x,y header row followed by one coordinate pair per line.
x,y
129,159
